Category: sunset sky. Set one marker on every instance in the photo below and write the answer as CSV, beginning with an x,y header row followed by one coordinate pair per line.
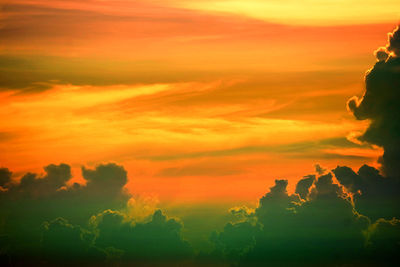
x,y
199,100
199,133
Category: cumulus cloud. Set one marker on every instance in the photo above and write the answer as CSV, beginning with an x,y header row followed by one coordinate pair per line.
x,y
242,213
380,104
37,187
381,54
324,227
141,207
46,197
276,202
157,240
394,42
43,216
374,195
5,177
303,186
383,240
64,242
110,236
235,240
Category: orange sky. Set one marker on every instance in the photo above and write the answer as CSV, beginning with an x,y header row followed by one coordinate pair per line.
x,y
199,100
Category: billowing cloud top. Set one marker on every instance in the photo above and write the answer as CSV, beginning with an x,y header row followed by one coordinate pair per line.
x,y
380,104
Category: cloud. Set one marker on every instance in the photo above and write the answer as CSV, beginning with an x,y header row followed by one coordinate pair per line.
x,y
157,240
18,74
106,181
394,42
374,195
380,104
383,239
39,198
234,241
319,169
5,177
95,222
141,207
322,225
381,54
64,242
242,212
322,228
303,186
276,202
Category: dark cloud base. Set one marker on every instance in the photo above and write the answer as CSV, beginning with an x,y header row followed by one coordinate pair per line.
x,y
340,217
320,225
45,222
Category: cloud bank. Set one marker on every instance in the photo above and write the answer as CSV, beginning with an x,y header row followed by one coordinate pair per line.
x,y
45,220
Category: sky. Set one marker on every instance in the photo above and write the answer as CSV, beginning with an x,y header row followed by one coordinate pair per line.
x,y
187,95
199,131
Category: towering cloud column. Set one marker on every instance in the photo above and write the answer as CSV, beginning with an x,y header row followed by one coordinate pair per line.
x,y
381,104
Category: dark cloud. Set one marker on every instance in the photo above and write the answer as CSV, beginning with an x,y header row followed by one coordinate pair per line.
x,y
324,228
43,219
381,54
383,240
106,181
26,205
394,42
64,242
157,240
374,195
111,236
380,104
325,188
36,187
36,199
319,223
235,240
276,202
319,169
5,177
303,186
48,196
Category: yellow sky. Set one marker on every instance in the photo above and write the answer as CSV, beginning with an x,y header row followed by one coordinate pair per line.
x,y
306,12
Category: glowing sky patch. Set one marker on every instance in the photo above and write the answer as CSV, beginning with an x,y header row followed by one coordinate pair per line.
x,y
309,12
